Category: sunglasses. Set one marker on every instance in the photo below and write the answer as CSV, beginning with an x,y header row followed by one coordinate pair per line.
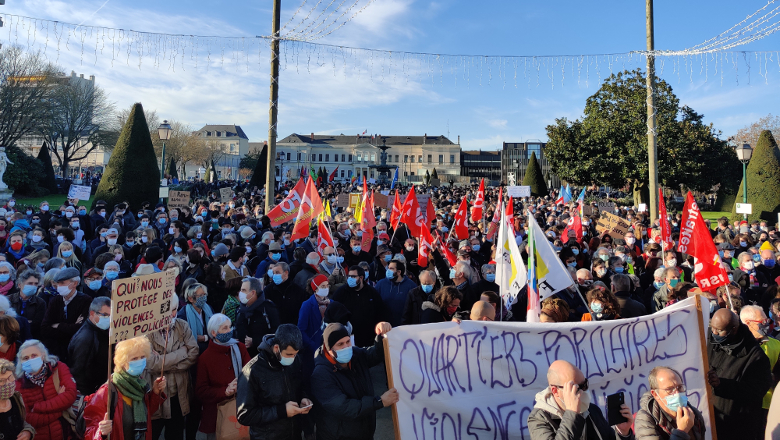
x,y
582,386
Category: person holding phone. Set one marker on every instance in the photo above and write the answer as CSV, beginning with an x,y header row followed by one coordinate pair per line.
x,y
563,410
664,412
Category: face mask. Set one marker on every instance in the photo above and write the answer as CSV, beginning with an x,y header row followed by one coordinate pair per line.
x,y
619,269
29,212
277,277
63,290
427,288
7,391
144,224
171,231
32,366
322,292
380,242
95,284
475,247
764,329
356,249
37,238
224,337
452,273
743,244
68,214
630,241
748,265
242,297
270,273
45,208
604,257
332,259
75,225
410,248
601,272
135,368
731,278
276,256
671,263
67,254
658,284
344,355
163,221
769,263
82,212
444,229
144,239
596,307
29,290
389,274
719,339
5,277
340,259
675,401
111,241
60,238
491,277
575,251
352,282
111,275
200,301
199,235
177,249
103,322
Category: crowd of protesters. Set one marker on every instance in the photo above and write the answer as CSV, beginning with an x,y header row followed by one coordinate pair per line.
x,y
288,332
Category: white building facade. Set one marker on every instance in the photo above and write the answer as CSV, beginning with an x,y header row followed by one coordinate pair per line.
x,y
235,145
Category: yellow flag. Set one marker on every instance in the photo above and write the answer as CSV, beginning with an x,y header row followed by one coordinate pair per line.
x,y
327,209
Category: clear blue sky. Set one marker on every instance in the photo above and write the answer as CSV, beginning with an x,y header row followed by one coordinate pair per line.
x,y
484,116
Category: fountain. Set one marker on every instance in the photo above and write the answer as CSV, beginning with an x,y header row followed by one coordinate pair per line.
x,y
383,169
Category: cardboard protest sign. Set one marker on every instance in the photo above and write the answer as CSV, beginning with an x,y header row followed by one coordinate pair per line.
x,y
518,191
178,199
225,194
481,377
587,210
381,200
79,192
141,305
615,226
342,201
164,192
606,206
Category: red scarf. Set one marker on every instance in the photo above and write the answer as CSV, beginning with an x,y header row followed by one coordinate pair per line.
x,y
8,286
10,355
333,361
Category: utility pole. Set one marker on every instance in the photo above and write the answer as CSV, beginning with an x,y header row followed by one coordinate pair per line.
x,y
273,111
652,149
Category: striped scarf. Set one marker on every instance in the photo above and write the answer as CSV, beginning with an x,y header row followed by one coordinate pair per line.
x,y
40,377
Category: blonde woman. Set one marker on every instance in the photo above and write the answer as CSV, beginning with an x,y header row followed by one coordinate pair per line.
x,y
65,251
131,396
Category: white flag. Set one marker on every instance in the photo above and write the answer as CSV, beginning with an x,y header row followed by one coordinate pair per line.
x,y
551,274
511,274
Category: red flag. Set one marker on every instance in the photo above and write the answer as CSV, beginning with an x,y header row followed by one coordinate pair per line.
x,y
288,209
332,175
395,216
493,226
574,224
430,214
367,222
476,210
311,206
510,209
461,227
695,240
426,246
410,214
324,238
451,258
666,231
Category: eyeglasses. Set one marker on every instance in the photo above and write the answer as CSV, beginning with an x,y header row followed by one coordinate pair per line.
x,y
7,380
671,390
582,386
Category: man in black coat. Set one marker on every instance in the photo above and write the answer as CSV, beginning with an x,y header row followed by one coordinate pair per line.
x,y
269,397
256,317
417,296
740,376
88,350
65,314
363,302
342,387
287,295
629,308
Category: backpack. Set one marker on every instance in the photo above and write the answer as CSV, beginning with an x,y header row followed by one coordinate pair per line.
x,y
79,425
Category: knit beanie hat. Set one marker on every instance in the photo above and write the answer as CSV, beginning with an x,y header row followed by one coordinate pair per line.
x,y
333,334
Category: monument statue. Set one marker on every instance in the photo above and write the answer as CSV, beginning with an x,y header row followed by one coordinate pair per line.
x,y
4,161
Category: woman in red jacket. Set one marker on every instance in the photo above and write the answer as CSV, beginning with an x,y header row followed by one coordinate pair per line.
x,y
47,389
218,370
131,396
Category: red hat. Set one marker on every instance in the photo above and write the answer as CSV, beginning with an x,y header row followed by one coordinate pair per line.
x,y
743,222
317,280
383,235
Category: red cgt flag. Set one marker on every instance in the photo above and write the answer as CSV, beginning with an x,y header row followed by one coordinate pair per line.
x,y
451,258
395,216
430,214
493,226
461,227
426,246
288,209
574,224
367,222
477,209
695,240
410,214
666,231
324,238
311,207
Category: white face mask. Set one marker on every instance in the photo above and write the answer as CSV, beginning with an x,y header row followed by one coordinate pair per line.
x,y
63,290
323,292
242,297
312,262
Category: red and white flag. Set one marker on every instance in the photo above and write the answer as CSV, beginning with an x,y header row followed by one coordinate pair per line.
x,y
367,222
311,206
324,237
574,224
430,214
395,215
666,231
288,209
695,240
461,227
410,214
451,258
425,247
477,209
493,226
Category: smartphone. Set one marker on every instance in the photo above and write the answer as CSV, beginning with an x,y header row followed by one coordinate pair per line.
x,y
614,401
308,406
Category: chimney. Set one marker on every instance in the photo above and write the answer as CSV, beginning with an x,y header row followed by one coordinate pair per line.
x,y
92,77
312,137
458,139
424,137
81,76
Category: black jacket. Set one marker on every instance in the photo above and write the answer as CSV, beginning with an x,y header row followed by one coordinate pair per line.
x,y
745,377
256,321
365,305
344,402
476,291
288,297
413,307
57,339
629,308
34,309
88,352
264,388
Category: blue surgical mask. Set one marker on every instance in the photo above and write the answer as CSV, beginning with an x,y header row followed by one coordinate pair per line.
x,y
29,290
769,263
658,284
380,242
491,277
475,247
351,282
285,361
619,269
200,301
162,221
111,275
95,284
277,278
340,259
82,212
32,366
103,322
756,258
388,257
427,288
675,401
276,256
5,277
177,249
224,337
356,249
575,251
389,274
344,355
596,307
452,272
270,273
67,254
135,368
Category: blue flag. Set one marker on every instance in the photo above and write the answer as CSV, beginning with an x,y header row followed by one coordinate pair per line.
x,y
395,179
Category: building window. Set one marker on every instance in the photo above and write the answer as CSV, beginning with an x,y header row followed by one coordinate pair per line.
x,y
320,158
288,156
372,174
359,157
430,158
419,160
441,159
396,158
342,174
412,173
405,174
452,158
350,158
406,158
373,158
327,158
217,134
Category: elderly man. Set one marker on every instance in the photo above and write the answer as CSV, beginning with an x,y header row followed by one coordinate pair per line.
x,y
671,278
417,296
739,375
760,326
330,267
308,270
88,350
112,236
563,410
274,256
480,311
256,317
664,412
65,314
287,295
769,267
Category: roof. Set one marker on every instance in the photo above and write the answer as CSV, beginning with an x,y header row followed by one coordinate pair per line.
x,y
231,130
326,139
483,153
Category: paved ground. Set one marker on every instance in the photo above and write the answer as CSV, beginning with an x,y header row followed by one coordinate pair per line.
x,y
384,417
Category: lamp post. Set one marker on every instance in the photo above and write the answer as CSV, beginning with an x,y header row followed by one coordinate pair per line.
x,y
164,131
744,153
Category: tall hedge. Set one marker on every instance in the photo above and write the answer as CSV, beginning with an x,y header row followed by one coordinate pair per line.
x,y
48,179
534,177
763,181
132,173
23,175
172,171
258,175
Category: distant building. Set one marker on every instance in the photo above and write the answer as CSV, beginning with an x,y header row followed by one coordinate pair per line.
x,y
478,164
234,143
514,162
414,156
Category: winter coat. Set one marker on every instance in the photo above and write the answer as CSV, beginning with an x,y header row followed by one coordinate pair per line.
x,y
95,412
19,402
660,298
432,312
215,372
57,339
44,406
365,305
34,309
629,308
181,354
303,276
745,377
288,297
256,321
547,422
336,278
413,306
88,351
264,388
647,422
344,402
393,296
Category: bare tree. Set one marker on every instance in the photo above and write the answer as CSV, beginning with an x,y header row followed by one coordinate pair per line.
x,y
25,85
183,146
750,133
214,152
77,112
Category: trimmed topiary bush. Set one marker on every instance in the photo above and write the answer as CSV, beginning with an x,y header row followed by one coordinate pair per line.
x,y
172,171
132,173
24,174
763,181
48,180
258,175
534,178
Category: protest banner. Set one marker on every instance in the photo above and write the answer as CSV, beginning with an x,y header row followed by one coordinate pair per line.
x,y
381,200
225,194
178,199
342,201
480,378
606,207
518,191
79,192
354,200
140,305
587,210
615,226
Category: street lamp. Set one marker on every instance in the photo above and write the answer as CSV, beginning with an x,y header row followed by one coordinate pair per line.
x,y
744,153
164,130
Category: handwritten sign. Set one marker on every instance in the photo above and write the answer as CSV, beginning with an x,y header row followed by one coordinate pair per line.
x,y
178,199
518,191
615,226
79,192
141,305
481,378
606,206
225,194
355,199
381,199
342,201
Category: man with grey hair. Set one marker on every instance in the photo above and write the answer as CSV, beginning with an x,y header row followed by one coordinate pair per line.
x,y
256,316
459,276
488,281
27,303
65,313
629,307
287,295
671,278
760,326
664,412
417,296
88,350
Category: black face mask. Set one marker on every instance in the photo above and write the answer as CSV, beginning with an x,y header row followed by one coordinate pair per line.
x,y
717,339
